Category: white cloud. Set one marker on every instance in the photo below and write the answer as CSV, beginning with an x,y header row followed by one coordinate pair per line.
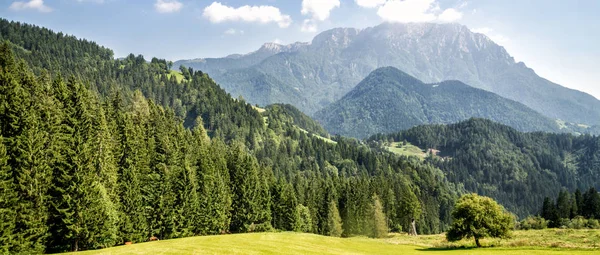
x,y
406,11
277,41
450,15
309,26
33,4
319,9
217,13
167,6
93,1
233,31
369,3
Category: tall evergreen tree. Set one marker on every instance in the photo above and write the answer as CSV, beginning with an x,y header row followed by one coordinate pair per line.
x,y
248,191
84,215
283,207
26,142
8,202
579,202
378,220
563,205
591,204
130,153
334,221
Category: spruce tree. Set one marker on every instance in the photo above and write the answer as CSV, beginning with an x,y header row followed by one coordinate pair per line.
x,y
8,202
378,219
579,202
216,191
28,154
563,205
283,207
591,204
185,187
249,193
83,215
131,154
334,221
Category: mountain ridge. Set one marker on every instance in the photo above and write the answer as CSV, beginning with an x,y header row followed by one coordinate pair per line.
x,y
389,100
337,59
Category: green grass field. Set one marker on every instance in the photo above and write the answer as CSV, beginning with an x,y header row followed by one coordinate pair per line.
x,y
406,150
318,136
548,242
177,74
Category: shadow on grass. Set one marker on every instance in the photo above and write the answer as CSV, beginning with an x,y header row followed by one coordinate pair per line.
x,y
462,248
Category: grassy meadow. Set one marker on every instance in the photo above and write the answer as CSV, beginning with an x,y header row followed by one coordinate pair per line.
x,y
548,242
406,150
177,74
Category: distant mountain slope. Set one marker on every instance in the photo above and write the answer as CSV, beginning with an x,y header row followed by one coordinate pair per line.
x,y
235,61
389,100
517,169
313,76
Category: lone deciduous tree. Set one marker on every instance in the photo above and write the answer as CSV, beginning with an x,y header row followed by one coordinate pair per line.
x,y
479,217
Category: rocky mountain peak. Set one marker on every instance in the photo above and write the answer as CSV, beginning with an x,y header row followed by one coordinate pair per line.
x,y
338,37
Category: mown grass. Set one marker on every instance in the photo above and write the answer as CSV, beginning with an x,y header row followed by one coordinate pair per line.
x,y
406,150
524,242
177,74
547,238
317,136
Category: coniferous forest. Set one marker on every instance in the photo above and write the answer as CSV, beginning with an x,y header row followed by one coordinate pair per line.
x,y
517,169
95,152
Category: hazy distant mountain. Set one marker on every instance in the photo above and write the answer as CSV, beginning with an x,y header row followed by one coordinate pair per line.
x,y
315,75
216,66
389,100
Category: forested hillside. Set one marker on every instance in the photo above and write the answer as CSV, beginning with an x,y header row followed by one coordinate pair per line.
x,y
120,150
389,100
518,169
291,115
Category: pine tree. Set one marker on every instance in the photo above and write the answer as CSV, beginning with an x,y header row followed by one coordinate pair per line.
x,y
185,187
28,154
409,207
579,202
378,219
216,191
249,193
563,205
157,193
304,223
334,221
84,213
283,207
8,202
591,204
130,153
105,177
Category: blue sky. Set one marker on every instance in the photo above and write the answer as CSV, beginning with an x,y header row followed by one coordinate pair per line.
x,y
559,39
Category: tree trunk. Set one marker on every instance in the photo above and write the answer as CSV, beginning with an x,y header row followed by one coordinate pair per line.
x,y
413,228
477,242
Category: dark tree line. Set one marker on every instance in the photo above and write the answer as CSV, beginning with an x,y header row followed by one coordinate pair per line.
x,y
571,205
